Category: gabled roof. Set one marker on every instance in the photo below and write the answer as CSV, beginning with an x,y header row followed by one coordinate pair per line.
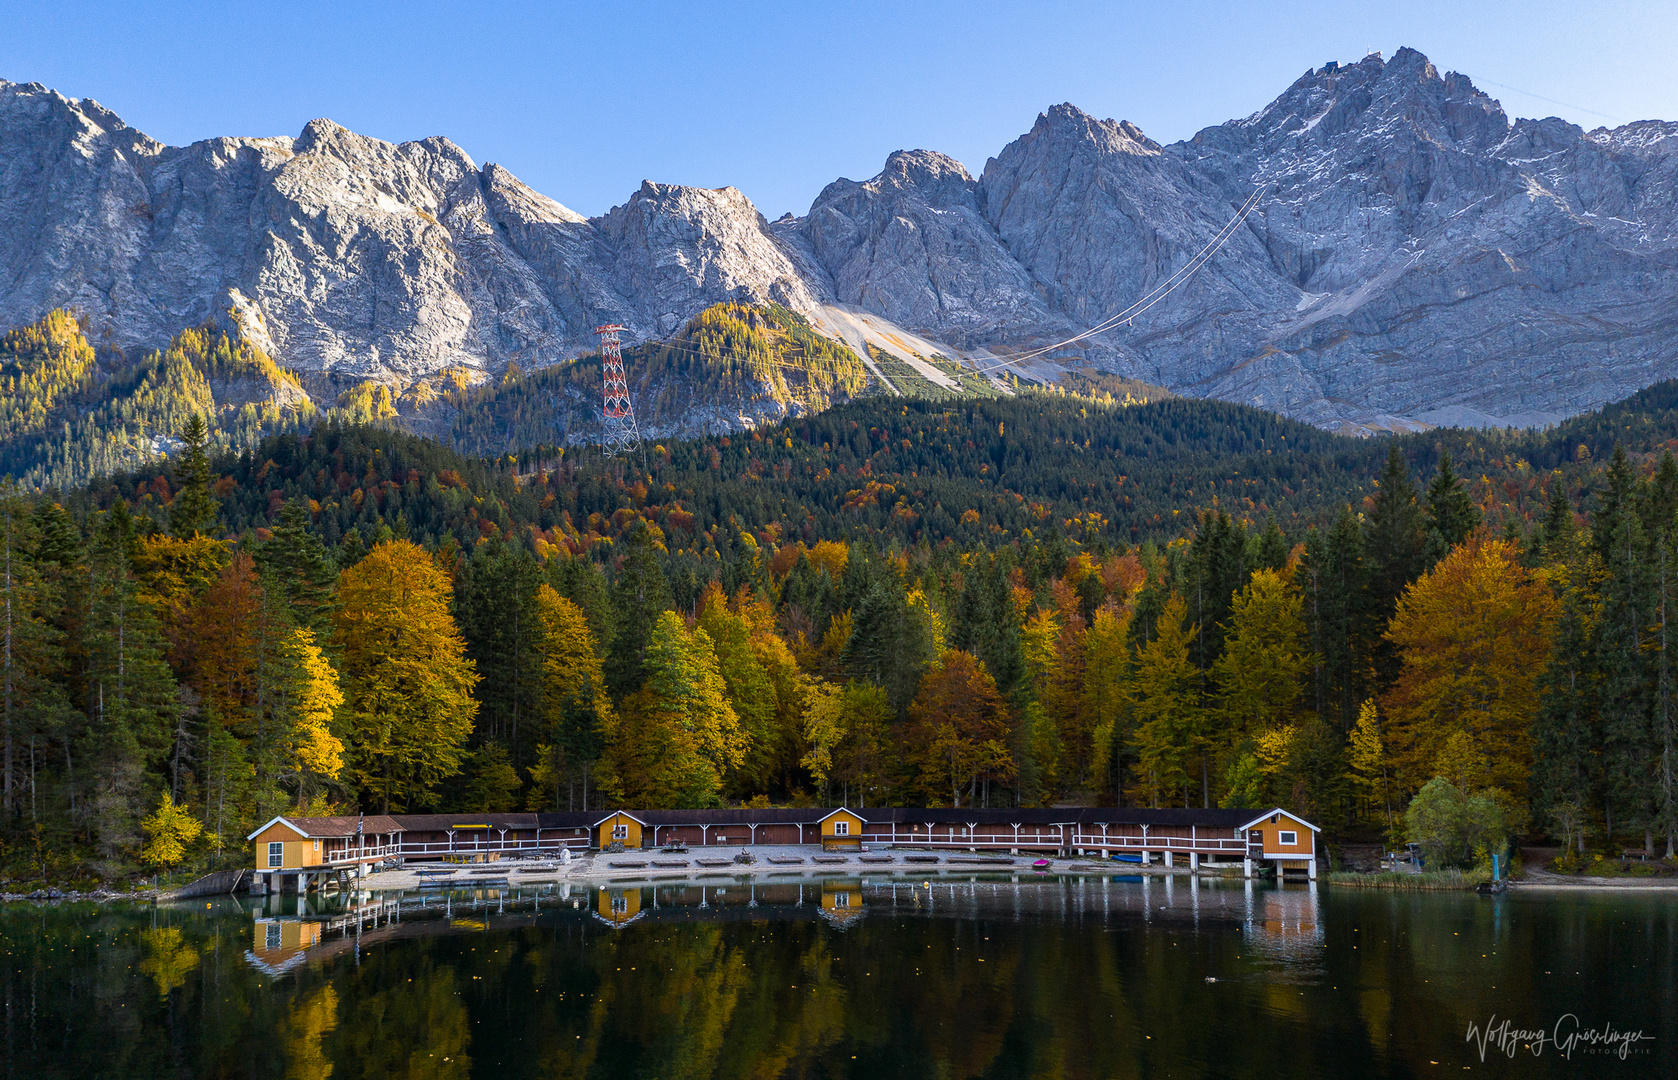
x,y
315,828
616,813
1289,814
839,810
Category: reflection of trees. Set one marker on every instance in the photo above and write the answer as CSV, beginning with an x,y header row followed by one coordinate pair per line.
x,y
418,1029
168,959
307,1025
702,1001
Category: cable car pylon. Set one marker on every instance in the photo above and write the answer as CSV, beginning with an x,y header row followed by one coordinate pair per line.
x,y
618,429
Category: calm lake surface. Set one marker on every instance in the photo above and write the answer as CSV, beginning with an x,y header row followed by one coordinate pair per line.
x,y
912,976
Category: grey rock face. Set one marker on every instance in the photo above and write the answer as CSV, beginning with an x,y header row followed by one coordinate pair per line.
x,y
913,244
344,254
1415,257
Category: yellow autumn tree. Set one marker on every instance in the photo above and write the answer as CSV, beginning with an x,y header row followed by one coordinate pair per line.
x,y
958,730
1169,733
1472,635
168,830
407,680
1103,701
313,696
751,693
1368,759
574,712
674,741
1261,672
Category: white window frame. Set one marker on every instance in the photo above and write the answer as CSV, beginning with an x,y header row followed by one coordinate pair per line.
x,y
271,936
841,828
1291,839
276,854
620,831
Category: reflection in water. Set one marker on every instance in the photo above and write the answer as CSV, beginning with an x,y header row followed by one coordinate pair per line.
x,y
936,976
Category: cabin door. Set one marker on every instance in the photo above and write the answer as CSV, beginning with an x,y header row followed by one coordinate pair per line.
x,y
1255,844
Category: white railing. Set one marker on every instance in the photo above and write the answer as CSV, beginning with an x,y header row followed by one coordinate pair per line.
x,y
433,848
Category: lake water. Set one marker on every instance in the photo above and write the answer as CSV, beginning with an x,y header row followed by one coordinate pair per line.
x,y
907,976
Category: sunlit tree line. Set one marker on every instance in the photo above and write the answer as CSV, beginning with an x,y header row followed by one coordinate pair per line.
x,y
166,687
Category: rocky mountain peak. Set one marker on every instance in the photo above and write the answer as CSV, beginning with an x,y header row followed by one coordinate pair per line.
x,y
1411,254
1066,124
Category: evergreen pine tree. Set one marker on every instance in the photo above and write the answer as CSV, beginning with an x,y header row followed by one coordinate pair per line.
x,y
296,565
1451,513
1395,543
640,594
1336,612
195,507
1627,680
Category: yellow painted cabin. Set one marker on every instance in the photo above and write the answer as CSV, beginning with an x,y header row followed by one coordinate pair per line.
x,y
841,829
620,828
1289,841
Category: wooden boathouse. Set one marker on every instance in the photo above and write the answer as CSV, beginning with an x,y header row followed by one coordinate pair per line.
x,y
293,853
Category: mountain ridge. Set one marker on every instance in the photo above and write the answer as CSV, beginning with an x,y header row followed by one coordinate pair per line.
x,y
1416,258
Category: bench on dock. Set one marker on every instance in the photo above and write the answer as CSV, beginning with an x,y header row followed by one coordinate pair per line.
x,y
785,860
920,858
989,860
627,865
873,858
827,858
715,862
427,875
670,864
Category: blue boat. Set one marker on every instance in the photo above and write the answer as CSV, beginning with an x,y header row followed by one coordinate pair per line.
x,y
1127,857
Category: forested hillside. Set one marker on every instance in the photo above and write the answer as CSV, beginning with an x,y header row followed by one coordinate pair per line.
x,y
1244,611
69,412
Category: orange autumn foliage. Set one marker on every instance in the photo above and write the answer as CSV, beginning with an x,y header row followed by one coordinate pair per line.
x,y
1473,634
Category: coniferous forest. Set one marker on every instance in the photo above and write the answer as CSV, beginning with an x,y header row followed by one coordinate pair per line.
x,y
1021,600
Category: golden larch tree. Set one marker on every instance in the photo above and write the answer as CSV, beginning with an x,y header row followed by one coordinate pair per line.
x,y
407,680
1472,634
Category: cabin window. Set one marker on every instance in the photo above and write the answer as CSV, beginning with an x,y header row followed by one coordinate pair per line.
x,y
841,828
620,905
276,854
271,935
842,899
1289,838
620,831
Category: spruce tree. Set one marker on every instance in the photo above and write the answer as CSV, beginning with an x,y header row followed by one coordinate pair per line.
x,y
1621,638
296,565
639,596
495,605
1336,611
194,509
1395,543
1451,513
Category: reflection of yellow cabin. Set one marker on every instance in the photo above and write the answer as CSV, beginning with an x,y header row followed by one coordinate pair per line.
x,y
841,901
841,829
620,907
278,945
619,828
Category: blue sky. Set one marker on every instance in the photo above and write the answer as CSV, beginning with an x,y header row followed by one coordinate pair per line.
x,y
583,101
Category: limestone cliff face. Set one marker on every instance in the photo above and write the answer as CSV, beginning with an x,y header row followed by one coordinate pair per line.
x,y
1415,256
345,254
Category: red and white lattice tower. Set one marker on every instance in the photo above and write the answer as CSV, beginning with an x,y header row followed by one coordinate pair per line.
x,y
618,430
